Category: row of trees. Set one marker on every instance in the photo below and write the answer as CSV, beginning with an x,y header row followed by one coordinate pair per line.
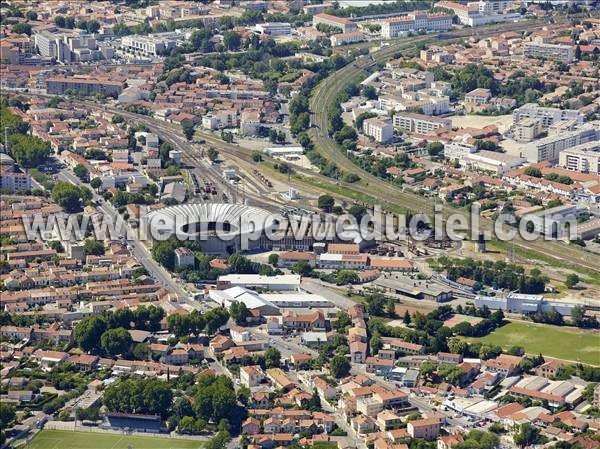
x,y
197,322
28,151
496,274
109,331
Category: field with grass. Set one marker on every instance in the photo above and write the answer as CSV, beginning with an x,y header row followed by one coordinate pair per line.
x,y
553,341
64,439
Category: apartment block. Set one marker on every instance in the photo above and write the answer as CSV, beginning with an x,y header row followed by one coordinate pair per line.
x,y
420,123
548,116
426,429
549,148
14,180
563,53
583,158
58,85
152,44
380,130
417,21
527,129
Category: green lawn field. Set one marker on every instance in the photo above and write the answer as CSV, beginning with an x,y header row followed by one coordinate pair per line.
x,y
563,343
63,439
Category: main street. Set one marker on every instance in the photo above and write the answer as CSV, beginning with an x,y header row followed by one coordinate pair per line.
x,y
137,247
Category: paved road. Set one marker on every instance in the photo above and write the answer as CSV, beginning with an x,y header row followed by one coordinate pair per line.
x,y
138,249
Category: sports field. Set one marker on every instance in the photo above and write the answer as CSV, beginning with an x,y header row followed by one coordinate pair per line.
x,y
64,439
565,343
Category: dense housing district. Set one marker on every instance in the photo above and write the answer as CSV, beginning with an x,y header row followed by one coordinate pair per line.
x,y
220,111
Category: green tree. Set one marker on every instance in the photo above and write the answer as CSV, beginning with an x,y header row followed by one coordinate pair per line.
x,y
141,351
302,268
231,40
572,280
357,211
135,395
93,248
188,130
239,312
96,183
533,171
527,435
80,171
87,332
212,154
325,202
69,196
28,151
272,357
7,414
116,341
339,366
273,259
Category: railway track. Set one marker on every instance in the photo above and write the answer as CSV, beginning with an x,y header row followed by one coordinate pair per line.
x,y
325,94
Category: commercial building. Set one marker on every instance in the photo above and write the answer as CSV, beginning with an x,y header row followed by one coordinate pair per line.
x,y
548,116
343,24
417,21
416,289
59,85
343,261
549,148
69,47
380,130
563,53
153,44
274,29
255,281
583,158
497,163
525,304
420,123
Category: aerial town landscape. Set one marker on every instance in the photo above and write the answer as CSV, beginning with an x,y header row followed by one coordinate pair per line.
x,y
300,224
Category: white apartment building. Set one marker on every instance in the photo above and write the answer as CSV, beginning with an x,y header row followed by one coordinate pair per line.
x,y
583,158
153,44
346,38
548,116
14,180
416,21
494,6
274,29
380,130
459,148
563,53
415,101
480,12
220,120
549,148
527,129
420,123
